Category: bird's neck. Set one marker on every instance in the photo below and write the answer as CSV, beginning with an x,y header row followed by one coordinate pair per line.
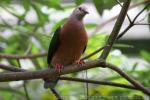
x,y
76,18
75,21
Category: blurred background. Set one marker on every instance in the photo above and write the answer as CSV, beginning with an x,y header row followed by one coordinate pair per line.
x,y
26,27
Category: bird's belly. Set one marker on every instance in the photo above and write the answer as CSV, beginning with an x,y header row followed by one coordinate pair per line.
x,y
68,53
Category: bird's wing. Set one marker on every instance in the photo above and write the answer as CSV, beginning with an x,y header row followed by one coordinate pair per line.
x,y
84,48
54,44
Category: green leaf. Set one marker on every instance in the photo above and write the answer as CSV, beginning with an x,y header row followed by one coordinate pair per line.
x,y
6,1
10,90
51,3
90,26
55,4
26,4
101,5
78,2
145,55
94,43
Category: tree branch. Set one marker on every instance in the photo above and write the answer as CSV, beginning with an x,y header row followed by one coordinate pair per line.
x,y
10,68
130,79
127,13
21,74
27,75
99,82
116,29
47,73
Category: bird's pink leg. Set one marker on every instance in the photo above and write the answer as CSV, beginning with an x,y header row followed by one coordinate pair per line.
x,y
58,67
80,62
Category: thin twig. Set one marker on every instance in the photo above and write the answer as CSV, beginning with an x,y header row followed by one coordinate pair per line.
x,y
99,82
11,68
147,5
141,23
26,91
127,13
93,53
100,26
11,56
24,83
132,23
146,15
87,85
125,30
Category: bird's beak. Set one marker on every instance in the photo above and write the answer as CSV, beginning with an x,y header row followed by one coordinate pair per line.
x,y
86,12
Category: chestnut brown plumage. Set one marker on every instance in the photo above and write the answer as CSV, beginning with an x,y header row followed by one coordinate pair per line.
x,y
67,44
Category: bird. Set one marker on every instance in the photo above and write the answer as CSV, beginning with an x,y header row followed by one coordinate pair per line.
x,y
67,44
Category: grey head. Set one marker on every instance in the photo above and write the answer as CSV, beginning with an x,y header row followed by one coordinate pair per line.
x,y
79,12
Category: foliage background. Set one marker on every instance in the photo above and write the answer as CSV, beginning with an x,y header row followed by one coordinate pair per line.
x,y
23,36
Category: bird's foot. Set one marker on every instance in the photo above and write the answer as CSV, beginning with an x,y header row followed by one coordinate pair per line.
x,y
80,62
58,67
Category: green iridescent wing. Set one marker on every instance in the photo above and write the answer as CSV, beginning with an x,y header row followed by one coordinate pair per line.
x,y
54,44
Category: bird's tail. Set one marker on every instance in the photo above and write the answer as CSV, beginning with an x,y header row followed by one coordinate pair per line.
x,y
51,83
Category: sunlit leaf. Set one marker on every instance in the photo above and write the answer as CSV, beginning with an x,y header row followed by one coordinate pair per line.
x,y
90,25
145,55
6,2
78,2
26,5
51,3
101,5
95,43
6,89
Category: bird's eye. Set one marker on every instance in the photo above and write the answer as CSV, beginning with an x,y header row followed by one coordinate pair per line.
x,y
80,8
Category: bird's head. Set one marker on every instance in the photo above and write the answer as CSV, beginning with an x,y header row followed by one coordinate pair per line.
x,y
80,12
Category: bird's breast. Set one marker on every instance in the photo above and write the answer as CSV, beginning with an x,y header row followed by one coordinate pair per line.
x,y
72,44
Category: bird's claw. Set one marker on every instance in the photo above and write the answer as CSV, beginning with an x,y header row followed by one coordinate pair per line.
x,y
80,62
58,68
